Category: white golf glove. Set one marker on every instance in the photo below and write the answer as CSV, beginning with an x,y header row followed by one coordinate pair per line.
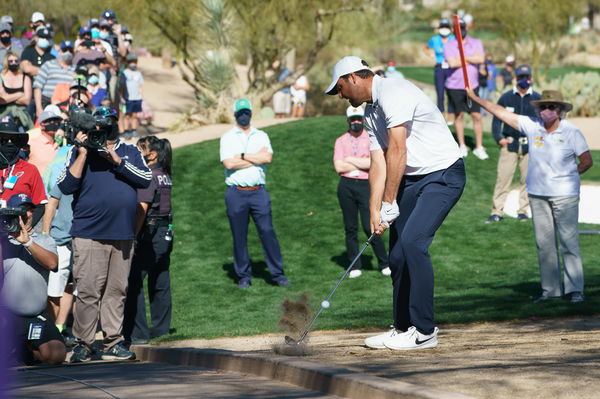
x,y
389,213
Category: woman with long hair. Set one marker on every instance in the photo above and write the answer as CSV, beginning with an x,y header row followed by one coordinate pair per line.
x,y
153,252
15,91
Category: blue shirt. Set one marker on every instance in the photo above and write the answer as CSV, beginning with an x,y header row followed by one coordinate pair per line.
x,y
105,196
61,224
492,75
437,45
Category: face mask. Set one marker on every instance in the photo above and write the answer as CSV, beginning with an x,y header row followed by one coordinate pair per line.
x,y
5,40
43,43
444,32
524,83
58,140
243,120
103,35
356,127
52,127
549,115
95,33
13,67
67,57
133,67
148,159
93,80
9,155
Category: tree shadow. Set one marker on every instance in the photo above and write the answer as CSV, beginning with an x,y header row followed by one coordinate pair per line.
x,y
469,140
259,269
366,261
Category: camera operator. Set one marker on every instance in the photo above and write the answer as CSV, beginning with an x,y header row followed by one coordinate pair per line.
x,y
16,174
103,178
28,259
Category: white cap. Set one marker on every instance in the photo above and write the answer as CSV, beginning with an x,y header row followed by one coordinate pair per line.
x,y
468,18
50,112
37,16
7,19
343,67
355,111
510,58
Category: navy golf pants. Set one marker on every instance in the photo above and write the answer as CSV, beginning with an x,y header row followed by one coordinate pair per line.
x,y
240,206
424,203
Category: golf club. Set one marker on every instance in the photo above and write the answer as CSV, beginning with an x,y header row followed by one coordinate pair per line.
x,y
325,304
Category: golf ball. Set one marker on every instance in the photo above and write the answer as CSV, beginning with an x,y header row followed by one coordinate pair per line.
x,y
325,304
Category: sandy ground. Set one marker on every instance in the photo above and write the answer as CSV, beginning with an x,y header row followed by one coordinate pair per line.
x,y
529,359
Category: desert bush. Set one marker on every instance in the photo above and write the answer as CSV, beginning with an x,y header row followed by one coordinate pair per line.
x,y
580,89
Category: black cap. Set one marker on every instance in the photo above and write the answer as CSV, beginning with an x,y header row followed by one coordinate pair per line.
x,y
43,32
8,126
444,23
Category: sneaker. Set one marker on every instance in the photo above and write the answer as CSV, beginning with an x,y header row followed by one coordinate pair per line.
x,y
464,151
118,352
355,273
283,282
493,219
386,271
244,284
577,297
376,342
521,217
139,341
481,153
412,339
544,298
81,353
69,339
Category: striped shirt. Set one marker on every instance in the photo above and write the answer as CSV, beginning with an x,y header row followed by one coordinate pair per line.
x,y
52,73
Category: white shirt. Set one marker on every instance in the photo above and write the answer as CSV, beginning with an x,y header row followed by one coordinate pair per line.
x,y
300,94
552,169
429,142
235,142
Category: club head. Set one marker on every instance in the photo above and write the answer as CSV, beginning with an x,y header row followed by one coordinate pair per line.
x,y
290,341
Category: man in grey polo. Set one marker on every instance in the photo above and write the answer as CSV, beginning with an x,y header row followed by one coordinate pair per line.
x,y
53,72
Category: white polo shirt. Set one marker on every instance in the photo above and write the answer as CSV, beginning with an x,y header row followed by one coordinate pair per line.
x,y
429,142
234,142
552,168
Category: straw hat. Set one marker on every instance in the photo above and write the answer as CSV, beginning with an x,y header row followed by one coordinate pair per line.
x,y
552,97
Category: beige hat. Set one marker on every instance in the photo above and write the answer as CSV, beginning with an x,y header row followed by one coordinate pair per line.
x,y
354,111
552,97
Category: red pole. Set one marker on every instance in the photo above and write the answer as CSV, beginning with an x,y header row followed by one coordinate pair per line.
x,y
461,50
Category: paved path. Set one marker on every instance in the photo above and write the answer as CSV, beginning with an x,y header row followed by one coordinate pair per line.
x,y
148,380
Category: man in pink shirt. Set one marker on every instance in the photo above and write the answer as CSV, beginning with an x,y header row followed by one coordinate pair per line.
x,y
351,159
455,86
44,147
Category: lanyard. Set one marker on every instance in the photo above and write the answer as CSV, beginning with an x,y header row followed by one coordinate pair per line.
x,y
10,173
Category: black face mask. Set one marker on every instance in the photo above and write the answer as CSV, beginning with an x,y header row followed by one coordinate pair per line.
x,y
52,127
5,40
356,127
243,120
148,159
13,67
9,155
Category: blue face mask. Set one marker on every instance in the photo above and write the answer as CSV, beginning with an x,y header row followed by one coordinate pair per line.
x,y
95,33
93,80
103,35
243,119
524,83
43,43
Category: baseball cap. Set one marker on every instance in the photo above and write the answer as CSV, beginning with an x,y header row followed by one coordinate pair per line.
x,y
510,59
354,111
17,200
84,30
444,23
8,126
80,82
523,70
65,44
124,29
7,18
37,17
343,67
131,57
5,27
50,112
241,104
104,23
43,32
106,14
93,22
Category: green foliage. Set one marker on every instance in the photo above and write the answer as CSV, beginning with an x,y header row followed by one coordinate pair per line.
x,y
581,90
483,272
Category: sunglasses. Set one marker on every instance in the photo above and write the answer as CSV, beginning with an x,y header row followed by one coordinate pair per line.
x,y
9,139
356,119
551,107
13,61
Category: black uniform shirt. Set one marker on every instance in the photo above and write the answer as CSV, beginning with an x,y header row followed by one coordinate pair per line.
x,y
158,194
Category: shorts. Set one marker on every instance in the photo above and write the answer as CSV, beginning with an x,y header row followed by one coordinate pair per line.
x,y
58,280
458,99
49,332
133,106
298,101
282,103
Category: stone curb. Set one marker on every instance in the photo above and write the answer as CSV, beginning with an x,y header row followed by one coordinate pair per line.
x,y
304,373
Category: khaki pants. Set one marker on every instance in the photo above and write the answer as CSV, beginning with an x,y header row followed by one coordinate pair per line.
x,y
507,163
101,271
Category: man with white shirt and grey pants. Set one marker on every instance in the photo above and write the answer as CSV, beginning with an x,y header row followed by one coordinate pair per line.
x,y
416,177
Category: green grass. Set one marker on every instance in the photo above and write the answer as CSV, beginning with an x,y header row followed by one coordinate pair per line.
x,y
483,272
425,74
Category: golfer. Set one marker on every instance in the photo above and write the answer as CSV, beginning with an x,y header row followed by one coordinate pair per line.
x,y
416,177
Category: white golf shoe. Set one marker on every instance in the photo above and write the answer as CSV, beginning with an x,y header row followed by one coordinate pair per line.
x,y
411,339
386,271
376,342
481,153
464,151
355,273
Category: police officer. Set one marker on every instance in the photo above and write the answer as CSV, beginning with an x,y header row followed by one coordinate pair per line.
x,y
153,252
